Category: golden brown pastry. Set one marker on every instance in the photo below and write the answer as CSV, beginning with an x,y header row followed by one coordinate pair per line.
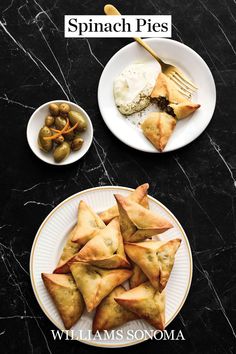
x,y
155,258
69,250
166,88
106,249
139,195
170,100
96,283
146,302
138,223
138,277
110,314
88,224
66,297
158,128
183,110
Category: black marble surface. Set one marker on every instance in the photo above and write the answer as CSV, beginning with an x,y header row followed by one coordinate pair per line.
x,y
197,183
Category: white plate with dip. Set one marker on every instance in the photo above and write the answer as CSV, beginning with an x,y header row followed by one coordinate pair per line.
x,y
127,128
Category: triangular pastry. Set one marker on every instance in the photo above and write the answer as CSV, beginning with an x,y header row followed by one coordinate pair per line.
x,y
183,110
139,195
158,127
166,88
155,258
66,296
138,277
110,314
146,302
170,100
138,223
69,250
106,249
96,283
88,224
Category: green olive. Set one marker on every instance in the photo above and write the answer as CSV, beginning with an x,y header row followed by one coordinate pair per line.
x,y
45,145
49,121
64,109
69,136
59,140
54,109
75,117
60,122
61,152
77,143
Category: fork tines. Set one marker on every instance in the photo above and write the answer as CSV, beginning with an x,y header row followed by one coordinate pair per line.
x,y
185,87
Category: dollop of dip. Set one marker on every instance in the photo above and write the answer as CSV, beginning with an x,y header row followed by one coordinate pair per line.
x,y
133,87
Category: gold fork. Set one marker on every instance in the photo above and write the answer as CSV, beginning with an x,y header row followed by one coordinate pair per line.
x,y
185,86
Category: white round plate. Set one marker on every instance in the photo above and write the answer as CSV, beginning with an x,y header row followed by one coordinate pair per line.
x,y
178,54
48,245
36,122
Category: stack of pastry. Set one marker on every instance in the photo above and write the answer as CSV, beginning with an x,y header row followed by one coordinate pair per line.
x,y
105,250
159,126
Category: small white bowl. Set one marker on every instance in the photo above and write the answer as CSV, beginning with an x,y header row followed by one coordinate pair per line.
x,y
36,122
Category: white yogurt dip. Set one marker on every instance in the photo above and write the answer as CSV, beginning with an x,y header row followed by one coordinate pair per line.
x,y
133,87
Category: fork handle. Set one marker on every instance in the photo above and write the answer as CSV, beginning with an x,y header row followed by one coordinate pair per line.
x,y
112,10
149,49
